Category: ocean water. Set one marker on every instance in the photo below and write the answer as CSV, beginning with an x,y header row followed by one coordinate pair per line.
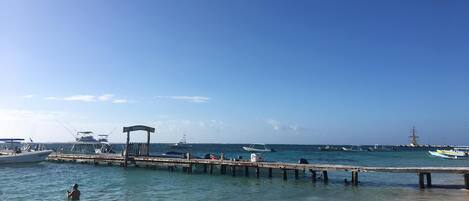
x,y
49,181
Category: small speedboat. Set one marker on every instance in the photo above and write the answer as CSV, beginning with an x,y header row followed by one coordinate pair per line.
x,y
436,154
258,148
455,153
12,153
25,157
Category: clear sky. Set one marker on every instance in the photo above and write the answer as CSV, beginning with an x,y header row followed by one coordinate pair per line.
x,y
305,72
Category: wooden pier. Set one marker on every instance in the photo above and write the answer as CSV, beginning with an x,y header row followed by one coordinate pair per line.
x,y
138,155
423,173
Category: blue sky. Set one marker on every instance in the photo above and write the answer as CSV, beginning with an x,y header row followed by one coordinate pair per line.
x,y
305,72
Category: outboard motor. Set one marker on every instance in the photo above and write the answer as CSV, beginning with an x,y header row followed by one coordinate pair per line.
x,y
303,161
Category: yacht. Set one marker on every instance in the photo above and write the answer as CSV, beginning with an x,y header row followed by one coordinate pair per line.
x,y
182,144
258,148
85,143
13,151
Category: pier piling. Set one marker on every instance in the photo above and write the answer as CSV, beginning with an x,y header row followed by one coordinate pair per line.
x,y
355,177
296,174
421,180
466,181
429,180
270,172
285,174
313,175
324,176
189,169
246,171
222,169
257,172
233,170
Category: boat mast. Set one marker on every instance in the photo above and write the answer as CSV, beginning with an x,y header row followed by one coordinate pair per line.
x,y
413,137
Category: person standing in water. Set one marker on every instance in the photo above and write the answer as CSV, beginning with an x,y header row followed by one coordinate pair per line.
x,y
75,194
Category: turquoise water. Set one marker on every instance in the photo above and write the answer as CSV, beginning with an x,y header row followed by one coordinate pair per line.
x,y
49,181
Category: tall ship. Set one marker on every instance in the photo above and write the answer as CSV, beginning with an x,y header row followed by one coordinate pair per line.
x,y
413,138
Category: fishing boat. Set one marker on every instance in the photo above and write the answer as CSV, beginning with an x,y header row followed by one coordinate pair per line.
x,y
258,148
14,152
85,143
182,144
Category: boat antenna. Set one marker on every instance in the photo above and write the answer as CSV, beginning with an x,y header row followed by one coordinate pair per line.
x,y
112,131
66,128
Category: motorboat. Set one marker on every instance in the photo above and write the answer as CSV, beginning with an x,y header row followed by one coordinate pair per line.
x,y
85,143
436,154
14,152
258,148
330,148
461,152
182,144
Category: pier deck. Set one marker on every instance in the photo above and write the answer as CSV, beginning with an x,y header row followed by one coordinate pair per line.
x,y
208,164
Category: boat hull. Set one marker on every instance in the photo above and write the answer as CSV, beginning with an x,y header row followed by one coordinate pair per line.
x,y
249,149
451,153
27,157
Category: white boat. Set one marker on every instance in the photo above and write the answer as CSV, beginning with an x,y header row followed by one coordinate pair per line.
x,y
12,153
460,152
258,148
182,144
85,143
436,154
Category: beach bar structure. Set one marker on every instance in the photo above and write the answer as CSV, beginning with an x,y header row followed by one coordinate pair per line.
x,y
317,171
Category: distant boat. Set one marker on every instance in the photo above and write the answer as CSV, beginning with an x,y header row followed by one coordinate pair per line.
x,y
351,149
13,153
258,148
182,144
456,153
330,148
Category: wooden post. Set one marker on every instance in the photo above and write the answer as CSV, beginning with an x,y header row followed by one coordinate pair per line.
x,y
284,174
257,172
211,168
313,175
355,177
296,174
205,168
233,170
270,172
126,157
421,182
466,181
246,171
189,169
148,143
429,180
324,176
222,169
